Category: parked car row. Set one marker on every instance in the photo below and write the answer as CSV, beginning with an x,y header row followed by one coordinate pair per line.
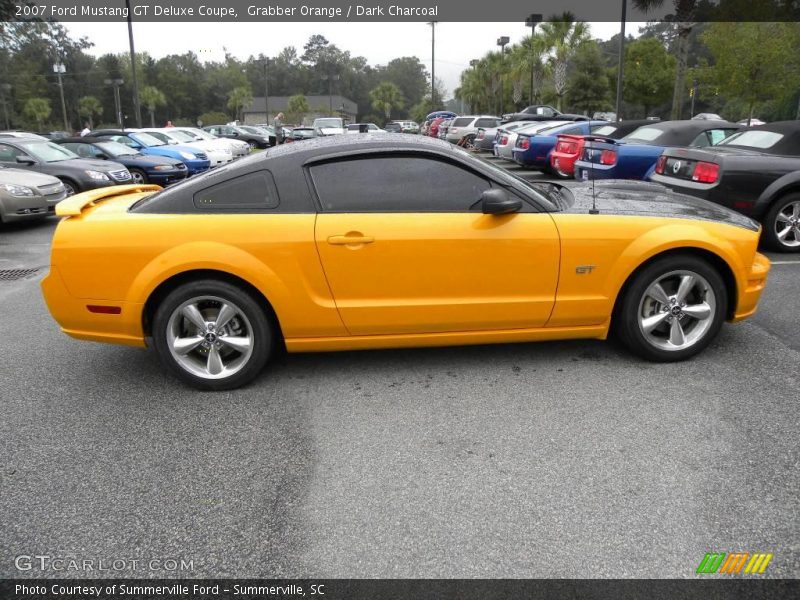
x,y
754,170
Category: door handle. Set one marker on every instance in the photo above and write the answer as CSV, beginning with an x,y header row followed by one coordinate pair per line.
x,y
350,239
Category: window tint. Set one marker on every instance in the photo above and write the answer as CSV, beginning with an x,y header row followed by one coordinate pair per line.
x,y
462,121
701,141
397,184
754,139
717,135
486,123
646,134
573,131
604,129
254,191
82,150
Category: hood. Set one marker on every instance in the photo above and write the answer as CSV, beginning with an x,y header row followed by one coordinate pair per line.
x,y
150,160
26,178
624,197
104,166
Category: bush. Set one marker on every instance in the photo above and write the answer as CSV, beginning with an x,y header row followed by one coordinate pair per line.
x,y
213,118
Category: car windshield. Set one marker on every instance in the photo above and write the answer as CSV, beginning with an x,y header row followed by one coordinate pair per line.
x,y
199,133
336,123
48,152
249,129
179,136
753,139
115,149
147,140
644,134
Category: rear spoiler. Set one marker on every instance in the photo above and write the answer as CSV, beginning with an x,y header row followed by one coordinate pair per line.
x,y
74,205
600,138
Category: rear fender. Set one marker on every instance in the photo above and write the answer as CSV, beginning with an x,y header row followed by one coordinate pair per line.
x,y
789,182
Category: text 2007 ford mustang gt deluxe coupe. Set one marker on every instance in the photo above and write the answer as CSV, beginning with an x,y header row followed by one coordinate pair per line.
x,y
386,241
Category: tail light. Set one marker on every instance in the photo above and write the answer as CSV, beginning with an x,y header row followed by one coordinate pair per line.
x,y
567,147
523,143
660,164
481,135
705,172
608,157
504,140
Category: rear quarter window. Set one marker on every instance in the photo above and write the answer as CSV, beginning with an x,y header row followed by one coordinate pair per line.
x,y
251,192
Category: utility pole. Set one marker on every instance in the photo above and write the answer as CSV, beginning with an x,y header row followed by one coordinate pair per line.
x,y
266,88
136,108
621,66
433,63
531,22
59,69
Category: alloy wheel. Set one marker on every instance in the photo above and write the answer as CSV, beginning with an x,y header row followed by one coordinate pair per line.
x,y
677,310
787,225
210,337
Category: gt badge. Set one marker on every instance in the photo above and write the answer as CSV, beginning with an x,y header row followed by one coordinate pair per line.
x,y
584,269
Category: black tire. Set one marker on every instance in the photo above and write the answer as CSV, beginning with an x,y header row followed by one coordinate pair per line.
x,y
253,144
634,302
255,319
71,187
138,176
771,225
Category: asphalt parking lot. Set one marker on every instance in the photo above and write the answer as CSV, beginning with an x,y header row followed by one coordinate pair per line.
x,y
568,459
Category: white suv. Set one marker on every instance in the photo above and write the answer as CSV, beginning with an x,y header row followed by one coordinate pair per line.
x,y
463,126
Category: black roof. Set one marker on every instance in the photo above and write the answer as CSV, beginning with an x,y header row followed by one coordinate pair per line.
x,y
789,144
680,133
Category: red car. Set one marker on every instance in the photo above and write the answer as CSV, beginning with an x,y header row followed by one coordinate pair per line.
x,y
433,130
570,147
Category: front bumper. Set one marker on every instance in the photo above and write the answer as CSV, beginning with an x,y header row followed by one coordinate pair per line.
x,y
756,282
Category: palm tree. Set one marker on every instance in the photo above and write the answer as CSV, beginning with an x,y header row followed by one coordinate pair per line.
x,y
386,97
684,15
527,63
152,98
563,35
37,109
90,107
239,98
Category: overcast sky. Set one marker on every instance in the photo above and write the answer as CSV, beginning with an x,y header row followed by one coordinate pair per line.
x,y
456,43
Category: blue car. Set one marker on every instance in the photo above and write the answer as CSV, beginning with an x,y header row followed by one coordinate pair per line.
x,y
635,155
196,161
533,149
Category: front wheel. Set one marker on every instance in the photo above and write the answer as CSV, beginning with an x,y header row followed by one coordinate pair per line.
x,y
782,224
70,187
213,335
138,176
672,309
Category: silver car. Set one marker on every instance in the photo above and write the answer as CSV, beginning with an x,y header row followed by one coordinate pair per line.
x,y
28,195
504,150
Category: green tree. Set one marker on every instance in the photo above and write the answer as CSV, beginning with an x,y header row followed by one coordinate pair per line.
x,y
529,67
683,22
239,98
386,97
213,118
563,35
37,109
588,86
151,98
89,107
754,62
297,107
649,73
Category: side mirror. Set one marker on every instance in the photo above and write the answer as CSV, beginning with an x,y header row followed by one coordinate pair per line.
x,y
497,202
136,146
26,160
101,156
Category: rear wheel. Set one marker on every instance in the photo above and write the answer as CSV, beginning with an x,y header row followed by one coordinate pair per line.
x,y
782,224
213,335
672,309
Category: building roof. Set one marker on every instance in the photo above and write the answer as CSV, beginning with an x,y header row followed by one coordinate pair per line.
x,y
314,103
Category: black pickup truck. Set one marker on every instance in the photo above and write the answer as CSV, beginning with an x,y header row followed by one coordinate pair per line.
x,y
756,171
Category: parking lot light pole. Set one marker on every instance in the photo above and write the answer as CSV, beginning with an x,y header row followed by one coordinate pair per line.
x,y
433,64
532,21
266,88
330,79
621,66
137,110
117,104
5,88
59,69
502,42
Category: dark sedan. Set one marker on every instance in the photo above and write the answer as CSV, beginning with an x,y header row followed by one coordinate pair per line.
x,y
143,168
755,171
232,132
77,174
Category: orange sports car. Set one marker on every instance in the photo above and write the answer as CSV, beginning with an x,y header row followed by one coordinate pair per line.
x,y
386,241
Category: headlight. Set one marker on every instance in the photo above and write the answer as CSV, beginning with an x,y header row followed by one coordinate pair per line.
x,y
97,175
187,155
17,190
163,168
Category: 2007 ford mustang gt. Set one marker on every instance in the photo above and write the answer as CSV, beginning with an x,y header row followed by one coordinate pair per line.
x,y
392,241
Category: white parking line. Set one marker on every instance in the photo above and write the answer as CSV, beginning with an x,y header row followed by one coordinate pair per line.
x,y
785,262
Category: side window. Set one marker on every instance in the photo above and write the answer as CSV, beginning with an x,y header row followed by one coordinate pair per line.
x,y
717,135
123,139
486,123
397,184
82,150
9,153
251,192
701,141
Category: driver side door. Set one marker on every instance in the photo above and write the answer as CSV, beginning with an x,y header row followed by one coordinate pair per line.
x,y
406,249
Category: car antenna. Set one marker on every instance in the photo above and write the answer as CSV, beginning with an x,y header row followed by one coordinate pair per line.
x,y
593,210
